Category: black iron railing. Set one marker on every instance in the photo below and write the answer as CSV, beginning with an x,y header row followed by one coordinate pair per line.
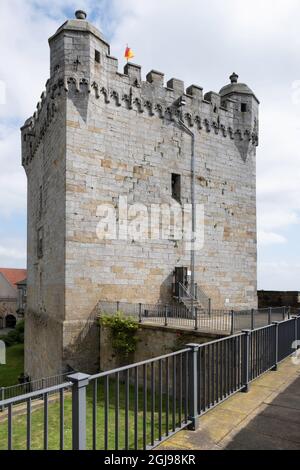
x,y
139,405
194,318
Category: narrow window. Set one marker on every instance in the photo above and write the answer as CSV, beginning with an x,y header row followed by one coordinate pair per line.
x,y
40,243
176,187
244,107
97,56
40,202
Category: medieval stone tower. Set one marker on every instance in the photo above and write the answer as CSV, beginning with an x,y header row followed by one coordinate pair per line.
x,y
99,134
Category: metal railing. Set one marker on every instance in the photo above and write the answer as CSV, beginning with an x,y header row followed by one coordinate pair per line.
x,y
201,296
196,295
222,321
140,405
155,397
31,386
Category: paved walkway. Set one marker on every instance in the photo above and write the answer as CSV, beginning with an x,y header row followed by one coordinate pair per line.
x,y
267,418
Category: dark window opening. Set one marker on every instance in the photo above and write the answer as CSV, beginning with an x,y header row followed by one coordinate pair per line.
x,y
176,187
40,202
40,243
244,107
97,57
10,321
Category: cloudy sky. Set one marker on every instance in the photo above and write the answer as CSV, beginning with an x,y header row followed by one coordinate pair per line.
x,y
198,41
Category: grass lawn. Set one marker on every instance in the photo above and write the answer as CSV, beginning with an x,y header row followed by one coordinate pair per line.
x,y
37,423
9,373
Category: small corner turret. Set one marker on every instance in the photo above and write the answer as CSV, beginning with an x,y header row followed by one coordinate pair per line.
x,y
77,47
245,107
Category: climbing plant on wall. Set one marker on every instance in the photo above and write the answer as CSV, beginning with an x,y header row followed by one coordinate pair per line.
x,y
123,332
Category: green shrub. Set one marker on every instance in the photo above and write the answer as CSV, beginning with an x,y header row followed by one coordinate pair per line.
x,y
123,332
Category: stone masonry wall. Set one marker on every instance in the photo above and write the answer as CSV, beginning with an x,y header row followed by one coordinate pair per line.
x,y
152,342
45,167
99,134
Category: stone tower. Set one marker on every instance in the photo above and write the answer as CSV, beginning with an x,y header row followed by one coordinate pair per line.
x,y
98,135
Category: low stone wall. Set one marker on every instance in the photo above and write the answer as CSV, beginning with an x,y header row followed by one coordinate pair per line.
x,y
153,341
279,299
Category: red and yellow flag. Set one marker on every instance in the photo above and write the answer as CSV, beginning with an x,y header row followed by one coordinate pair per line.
x,y
129,53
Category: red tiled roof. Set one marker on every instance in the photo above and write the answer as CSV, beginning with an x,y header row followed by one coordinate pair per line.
x,y
13,275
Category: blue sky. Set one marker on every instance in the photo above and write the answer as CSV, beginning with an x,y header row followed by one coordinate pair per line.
x,y
199,42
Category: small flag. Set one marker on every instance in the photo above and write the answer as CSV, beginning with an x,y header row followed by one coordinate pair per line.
x,y
128,53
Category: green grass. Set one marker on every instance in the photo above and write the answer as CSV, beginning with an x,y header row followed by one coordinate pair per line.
x,y
37,420
10,373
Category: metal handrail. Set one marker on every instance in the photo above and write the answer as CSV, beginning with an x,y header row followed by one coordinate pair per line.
x,y
37,393
173,381
204,296
138,364
188,294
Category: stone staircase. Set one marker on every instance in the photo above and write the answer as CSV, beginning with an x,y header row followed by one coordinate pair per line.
x,y
189,301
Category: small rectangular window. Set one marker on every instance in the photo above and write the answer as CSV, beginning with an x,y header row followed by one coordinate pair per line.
x,y
40,247
41,202
97,56
176,187
244,107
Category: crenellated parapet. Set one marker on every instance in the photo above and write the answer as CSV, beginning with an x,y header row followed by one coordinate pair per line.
x,y
210,113
35,128
81,65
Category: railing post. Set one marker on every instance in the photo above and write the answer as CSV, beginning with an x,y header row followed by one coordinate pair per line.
x,y
140,313
209,307
276,324
1,398
270,316
289,313
252,319
284,313
246,361
232,322
296,328
193,386
80,382
196,318
166,315
118,306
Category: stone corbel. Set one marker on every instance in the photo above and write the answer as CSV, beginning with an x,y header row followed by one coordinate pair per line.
x,y
116,97
189,119
139,104
160,111
105,93
198,122
207,125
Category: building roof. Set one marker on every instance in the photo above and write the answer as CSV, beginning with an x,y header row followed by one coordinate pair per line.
x,y
13,276
236,88
81,25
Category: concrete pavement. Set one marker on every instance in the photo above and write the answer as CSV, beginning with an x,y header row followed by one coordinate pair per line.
x,y
267,418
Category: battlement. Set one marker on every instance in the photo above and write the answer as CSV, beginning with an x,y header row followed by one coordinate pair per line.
x,y
232,113
205,114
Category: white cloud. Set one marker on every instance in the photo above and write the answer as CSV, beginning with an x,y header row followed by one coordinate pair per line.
x,y
12,253
279,276
12,175
270,238
189,39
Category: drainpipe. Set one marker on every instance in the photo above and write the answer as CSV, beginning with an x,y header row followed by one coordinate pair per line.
x,y
193,199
